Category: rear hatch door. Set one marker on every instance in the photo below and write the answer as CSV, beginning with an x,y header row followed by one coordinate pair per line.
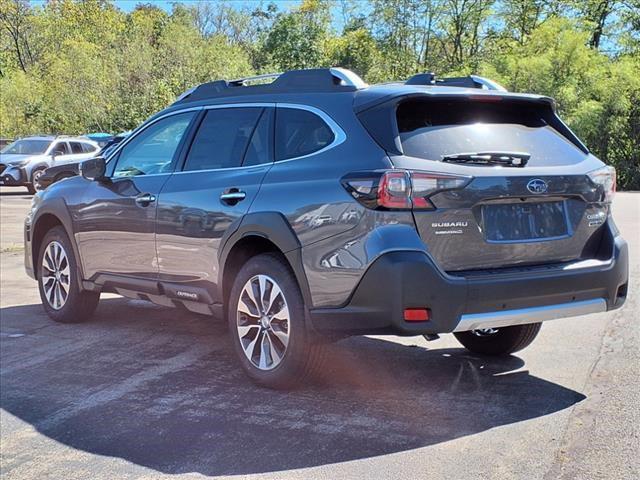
x,y
537,213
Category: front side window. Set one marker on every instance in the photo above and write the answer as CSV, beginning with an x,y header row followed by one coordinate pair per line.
x,y
222,138
61,148
76,147
300,132
154,149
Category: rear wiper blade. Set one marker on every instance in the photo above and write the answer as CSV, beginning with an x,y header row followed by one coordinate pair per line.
x,y
506,159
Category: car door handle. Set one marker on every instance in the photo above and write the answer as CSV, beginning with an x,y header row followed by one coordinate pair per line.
x,y
232,196
145,199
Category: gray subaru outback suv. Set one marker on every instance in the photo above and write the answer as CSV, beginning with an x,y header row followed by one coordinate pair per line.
x,y
316,207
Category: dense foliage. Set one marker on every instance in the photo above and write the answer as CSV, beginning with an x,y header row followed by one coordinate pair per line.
x,y
73,66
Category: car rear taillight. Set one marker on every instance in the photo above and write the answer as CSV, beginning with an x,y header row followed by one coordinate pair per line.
x,y
425,185
605,180
400,189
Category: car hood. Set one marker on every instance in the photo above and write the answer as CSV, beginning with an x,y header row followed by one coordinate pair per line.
x,y
11,158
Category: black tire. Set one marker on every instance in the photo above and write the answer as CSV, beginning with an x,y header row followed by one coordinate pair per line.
x,y
78,305
34,177
303,354
504,341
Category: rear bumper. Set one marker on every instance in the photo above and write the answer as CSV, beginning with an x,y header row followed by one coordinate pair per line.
x,y
523,316
410,279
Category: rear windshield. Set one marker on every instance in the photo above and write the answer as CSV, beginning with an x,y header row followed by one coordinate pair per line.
x,y
433,129
27,147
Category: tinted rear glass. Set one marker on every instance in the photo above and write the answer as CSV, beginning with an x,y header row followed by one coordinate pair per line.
x,y
434,129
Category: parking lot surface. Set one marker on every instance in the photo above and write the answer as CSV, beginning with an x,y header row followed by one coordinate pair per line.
x,y
145,392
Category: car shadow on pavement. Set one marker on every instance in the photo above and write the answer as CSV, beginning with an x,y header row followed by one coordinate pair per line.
x,y
161,388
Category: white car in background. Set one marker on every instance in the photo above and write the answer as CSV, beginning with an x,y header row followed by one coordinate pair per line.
x,y
23,161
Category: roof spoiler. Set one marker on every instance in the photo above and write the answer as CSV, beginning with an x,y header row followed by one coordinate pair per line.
x,y
472,81
310,80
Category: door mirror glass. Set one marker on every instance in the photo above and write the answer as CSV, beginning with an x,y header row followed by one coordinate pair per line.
x,y
56,152
93,169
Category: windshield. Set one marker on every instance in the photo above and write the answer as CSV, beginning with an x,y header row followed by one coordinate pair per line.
x,y
27,147
434,129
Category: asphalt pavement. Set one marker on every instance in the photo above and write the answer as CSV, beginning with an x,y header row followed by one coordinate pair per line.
x,y
145,392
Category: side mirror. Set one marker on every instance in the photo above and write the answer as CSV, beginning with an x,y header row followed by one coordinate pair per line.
x,y
56,152
93,169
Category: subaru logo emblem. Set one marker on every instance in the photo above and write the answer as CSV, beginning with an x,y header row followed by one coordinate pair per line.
x,y
537,186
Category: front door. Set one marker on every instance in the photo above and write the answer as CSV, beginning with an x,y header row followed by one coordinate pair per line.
x,y
115,225
61,153
224,167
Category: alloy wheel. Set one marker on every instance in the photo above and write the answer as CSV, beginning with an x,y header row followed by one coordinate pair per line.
x,y
56,275
36,180
263,322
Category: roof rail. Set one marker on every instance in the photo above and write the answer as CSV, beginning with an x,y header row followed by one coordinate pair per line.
x,y
488,83
242,82
348,77
427,78
309,80
472,81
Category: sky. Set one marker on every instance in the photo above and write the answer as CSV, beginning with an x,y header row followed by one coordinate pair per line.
x,y
129,5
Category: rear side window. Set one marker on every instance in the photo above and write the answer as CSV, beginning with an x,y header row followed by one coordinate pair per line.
x,y
260,145
222,138
76,147
435,128
299,133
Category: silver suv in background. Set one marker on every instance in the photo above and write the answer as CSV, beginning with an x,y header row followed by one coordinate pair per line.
x,y
23,161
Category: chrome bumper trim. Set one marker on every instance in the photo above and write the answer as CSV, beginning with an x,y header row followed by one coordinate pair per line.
x,y
521,316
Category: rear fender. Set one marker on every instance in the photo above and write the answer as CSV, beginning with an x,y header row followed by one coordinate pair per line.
x,y
274,227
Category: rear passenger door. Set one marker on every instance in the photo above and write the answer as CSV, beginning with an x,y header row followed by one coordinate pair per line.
x,y
221,174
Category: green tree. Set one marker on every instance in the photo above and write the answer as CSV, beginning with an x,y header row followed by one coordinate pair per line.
x,y
297,39
71,66
597,96
356,50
